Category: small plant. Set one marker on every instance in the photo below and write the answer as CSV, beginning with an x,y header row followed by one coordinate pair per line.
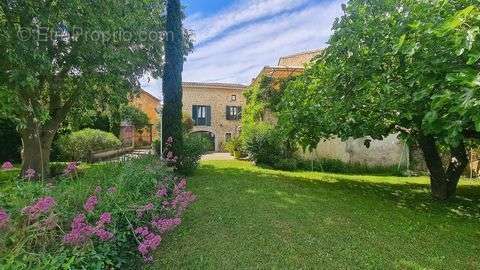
x,y
7,166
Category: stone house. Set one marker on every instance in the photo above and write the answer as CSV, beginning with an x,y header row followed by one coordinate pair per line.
x,y
149,104
387,152
216,110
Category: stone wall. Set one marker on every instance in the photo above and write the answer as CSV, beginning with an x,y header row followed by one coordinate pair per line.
x,y
217,96
387,152
149,105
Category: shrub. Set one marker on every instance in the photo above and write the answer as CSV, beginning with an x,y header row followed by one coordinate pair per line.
x,y
263,144
157,147
194,147
235,147
11,143
98,222
78,145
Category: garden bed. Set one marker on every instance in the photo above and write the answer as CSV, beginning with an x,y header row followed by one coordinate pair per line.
x,y
112,216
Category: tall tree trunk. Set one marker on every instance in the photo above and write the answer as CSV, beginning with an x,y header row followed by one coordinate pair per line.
x,y
443,183
172,77
37,144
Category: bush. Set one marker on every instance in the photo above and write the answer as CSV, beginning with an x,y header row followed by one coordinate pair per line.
x,y
194,147
112,199
263,144
78,145
235,147
157,147
11,143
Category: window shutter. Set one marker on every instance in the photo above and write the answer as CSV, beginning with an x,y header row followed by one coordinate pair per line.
x,y
209,116
228,113
195,115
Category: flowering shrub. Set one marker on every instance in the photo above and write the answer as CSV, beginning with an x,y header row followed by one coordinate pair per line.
x,y
7,166
113,217
71,169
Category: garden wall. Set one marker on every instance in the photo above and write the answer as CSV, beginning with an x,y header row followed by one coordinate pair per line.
x,y
387,152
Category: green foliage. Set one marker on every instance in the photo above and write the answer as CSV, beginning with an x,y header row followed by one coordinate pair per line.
x,y
78,145
187,123
134,116
135,181
263,144
157,147
286,164
406,67
194,147
175,51
11,143
66,56
235,147
338,166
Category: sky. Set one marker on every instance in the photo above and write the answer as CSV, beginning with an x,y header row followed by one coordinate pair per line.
x,y
235,39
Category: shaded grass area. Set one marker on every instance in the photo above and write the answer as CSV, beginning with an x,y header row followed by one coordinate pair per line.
x,y
249,217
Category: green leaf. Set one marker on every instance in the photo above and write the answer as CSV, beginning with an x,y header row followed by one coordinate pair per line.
x,y
473,58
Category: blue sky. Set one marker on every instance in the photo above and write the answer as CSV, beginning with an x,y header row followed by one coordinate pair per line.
x,y
235,39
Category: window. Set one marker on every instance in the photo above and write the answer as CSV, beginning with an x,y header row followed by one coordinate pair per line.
x,y
234,113
228,136
233,98
201,115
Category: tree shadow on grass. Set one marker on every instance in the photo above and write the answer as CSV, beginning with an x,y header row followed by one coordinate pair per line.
x,y
405,193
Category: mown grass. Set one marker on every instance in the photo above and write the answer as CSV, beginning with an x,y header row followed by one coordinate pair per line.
x,y
248,217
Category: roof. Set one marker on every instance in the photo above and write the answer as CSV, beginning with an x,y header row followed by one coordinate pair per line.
x,y
271,71
298,59
214,85
143,92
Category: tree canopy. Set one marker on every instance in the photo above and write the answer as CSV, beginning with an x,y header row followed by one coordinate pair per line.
x,y
57,56
407,67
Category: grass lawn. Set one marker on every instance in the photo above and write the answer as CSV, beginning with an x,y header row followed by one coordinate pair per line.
x,y
248,217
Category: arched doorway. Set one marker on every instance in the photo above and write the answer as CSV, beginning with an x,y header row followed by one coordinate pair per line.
x,y
207,135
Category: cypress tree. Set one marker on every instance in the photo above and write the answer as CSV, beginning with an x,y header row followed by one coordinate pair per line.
x,y
172,77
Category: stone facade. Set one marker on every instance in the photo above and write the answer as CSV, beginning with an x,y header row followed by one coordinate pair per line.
x,y
149,105
217,96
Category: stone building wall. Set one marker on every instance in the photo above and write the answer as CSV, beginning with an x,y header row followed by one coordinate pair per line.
x,y
218,96
387,152
149,105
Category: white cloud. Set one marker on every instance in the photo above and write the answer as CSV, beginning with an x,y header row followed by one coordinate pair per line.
x,y
242,12
240,53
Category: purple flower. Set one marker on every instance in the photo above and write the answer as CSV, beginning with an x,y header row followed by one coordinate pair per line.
x,y
165,225
162,192
7,166
149,243
103,234
169,141
71,168
90,204
182,201
98,189
105,218
43,205
30,174
4,219
180,187
80,233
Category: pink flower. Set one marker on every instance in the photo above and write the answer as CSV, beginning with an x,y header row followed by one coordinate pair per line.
x,y
149,243
7,166
105,218
165,225
170,141
71,168
42,206
182,201
162,192
180,187
80,233
103,234
30,174
90,204
4,219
